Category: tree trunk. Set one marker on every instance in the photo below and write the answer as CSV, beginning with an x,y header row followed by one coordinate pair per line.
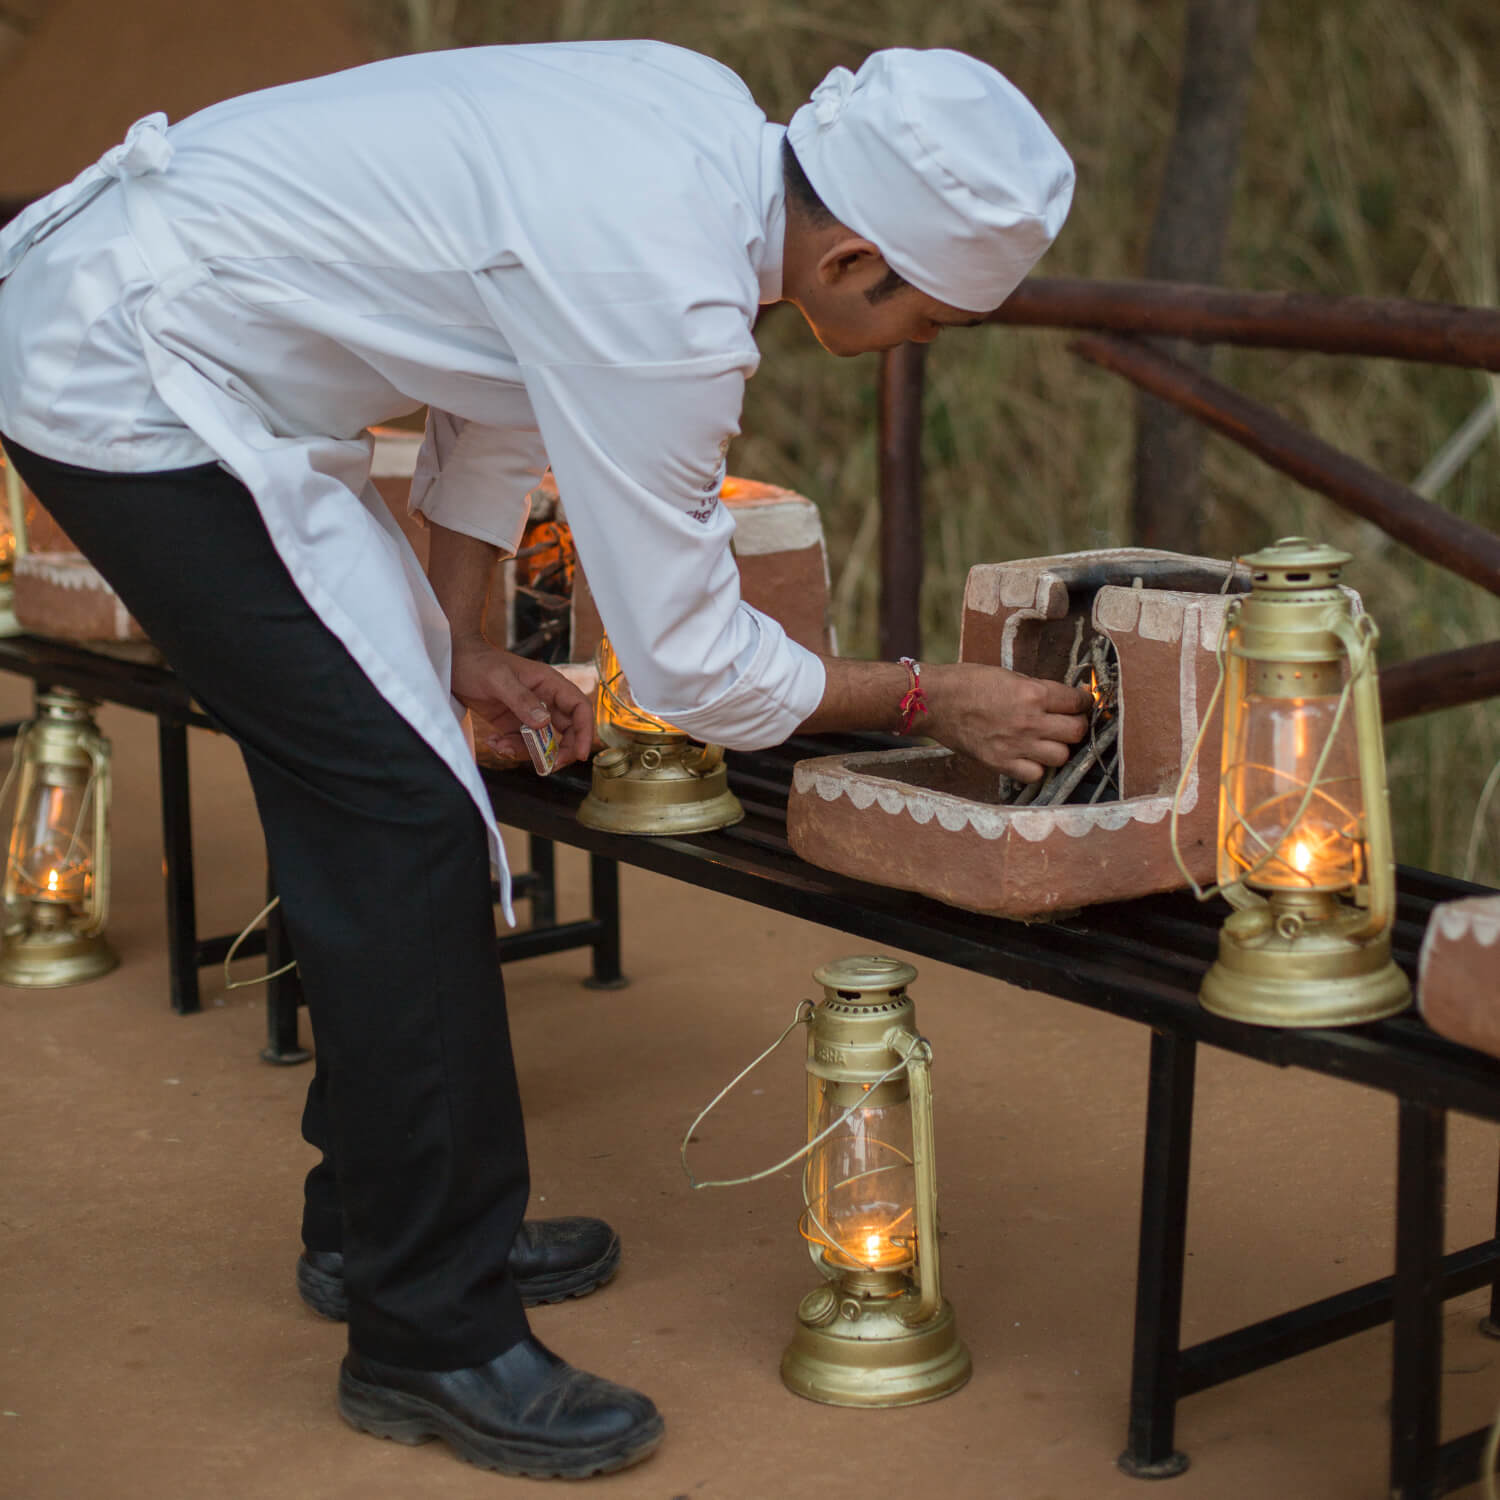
x,y
1187,244
902,382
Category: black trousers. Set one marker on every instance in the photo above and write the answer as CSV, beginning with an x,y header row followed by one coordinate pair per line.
x,y
380,859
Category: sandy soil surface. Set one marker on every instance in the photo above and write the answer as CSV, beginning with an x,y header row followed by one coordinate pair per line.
x,y
151,1342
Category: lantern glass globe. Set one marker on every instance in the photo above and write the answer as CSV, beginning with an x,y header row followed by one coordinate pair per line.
x,y
861,1191
1276,834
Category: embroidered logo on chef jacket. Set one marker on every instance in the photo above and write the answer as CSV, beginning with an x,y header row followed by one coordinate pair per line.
x,y
711,488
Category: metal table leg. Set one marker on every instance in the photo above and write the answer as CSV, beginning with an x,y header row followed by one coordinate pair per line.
x,y
177,866
543,895
1490,1323
604,907
1150,1452
1417,1353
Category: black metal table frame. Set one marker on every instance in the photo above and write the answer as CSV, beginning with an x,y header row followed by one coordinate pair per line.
x,y
156,691
1143,960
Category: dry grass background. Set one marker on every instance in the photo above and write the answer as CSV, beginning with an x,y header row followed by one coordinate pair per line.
x,y
1368,168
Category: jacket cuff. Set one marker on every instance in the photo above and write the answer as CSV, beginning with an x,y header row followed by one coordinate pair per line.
x,y
779,689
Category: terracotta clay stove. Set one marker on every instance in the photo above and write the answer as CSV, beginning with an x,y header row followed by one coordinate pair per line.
x,y
929,820
778,544
1456,973
541,603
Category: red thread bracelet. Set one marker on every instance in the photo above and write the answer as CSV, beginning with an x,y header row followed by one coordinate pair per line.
x,y
914,700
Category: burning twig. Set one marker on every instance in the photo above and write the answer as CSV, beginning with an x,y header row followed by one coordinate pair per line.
x,y
536,550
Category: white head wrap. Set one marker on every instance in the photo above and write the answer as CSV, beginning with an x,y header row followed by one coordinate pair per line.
x,y
943,164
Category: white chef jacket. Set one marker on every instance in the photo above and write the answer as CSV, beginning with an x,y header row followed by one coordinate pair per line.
x,y
560,250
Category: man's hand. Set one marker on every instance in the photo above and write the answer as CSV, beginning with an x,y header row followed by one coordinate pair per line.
x,y
509,691
1018,725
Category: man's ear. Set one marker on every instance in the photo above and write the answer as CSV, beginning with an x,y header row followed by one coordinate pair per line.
x,y
848,256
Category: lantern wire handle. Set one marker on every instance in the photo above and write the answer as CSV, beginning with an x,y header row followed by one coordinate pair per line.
x,y
803,1015
98,790
1230,613
234,947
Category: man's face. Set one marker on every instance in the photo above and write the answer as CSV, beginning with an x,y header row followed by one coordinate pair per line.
x,y
846,322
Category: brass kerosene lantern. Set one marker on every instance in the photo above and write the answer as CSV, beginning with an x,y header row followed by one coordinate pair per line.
x,y
1305,850
651,778
56,890
878,1332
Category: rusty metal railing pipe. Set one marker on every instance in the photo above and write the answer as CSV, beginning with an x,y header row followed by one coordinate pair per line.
x,y
1391,328
1428,529
1448,679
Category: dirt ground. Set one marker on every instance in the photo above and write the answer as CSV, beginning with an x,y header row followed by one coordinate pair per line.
x,y
151,1342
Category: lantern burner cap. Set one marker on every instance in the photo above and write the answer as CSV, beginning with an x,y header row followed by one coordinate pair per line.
x,y
853,978
1294,562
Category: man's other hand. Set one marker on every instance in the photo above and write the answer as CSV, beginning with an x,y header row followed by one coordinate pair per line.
x,y
508,691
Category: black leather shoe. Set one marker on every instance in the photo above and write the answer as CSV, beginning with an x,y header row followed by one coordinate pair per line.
x,y
526,1412
551,1260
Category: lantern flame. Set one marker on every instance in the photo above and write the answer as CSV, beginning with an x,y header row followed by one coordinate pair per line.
x,y
1301,857
872,1246
52,881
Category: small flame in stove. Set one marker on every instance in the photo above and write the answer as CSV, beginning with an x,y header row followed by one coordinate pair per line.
x,y
547,558
1100,705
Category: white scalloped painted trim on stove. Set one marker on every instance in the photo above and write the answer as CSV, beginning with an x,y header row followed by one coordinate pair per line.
x,y
922,804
